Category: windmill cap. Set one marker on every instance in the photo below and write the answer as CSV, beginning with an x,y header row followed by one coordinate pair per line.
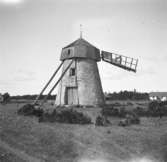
x,y
80,41
80,49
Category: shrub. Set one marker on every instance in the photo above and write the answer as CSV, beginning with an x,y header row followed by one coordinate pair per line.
x,y
122,112
110,111
102,121
116,112
48,116
99,121
156,109
5,98
140,111
123,123
116,104
129,103
131,118
65,116
29,109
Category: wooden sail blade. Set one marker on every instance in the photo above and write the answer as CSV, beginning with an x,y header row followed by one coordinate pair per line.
x,y
121,61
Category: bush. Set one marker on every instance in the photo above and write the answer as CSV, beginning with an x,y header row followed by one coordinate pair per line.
x,y
99,121
116,112
5,98
65,116
156,108
141,111
133,118
48,116
129,103
29,109
110,111
102,121
122,112
116,104
123,123
130,119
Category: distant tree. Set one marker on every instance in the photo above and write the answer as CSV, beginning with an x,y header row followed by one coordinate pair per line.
x,y
157,108
1,98
6,97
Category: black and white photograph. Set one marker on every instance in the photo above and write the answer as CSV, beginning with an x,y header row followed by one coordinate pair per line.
x,y
83,81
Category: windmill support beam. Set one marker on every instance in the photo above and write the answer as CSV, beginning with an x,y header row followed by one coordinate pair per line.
x,y
47,84
62,75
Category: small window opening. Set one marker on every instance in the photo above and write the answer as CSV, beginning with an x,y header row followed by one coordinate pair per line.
x,y
72,71
69,51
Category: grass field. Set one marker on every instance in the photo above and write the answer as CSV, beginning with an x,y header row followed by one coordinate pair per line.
x,y
23,139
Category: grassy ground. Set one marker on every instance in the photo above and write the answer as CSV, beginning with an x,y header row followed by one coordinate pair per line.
x,y
23,139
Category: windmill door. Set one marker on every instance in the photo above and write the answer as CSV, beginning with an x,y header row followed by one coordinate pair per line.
x,y
71,96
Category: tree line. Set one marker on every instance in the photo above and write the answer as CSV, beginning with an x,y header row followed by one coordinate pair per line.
x,y
122,95
127,95
32,97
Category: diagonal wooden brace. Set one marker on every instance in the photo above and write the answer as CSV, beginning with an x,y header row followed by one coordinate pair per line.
x,y
36,100
44,100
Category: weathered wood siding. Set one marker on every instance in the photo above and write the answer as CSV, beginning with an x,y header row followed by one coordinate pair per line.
x,y
86,80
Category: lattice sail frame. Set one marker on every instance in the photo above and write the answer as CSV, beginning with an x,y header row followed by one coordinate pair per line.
x,y
121,61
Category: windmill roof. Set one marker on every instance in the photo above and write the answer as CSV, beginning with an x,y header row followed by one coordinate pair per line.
x,y
80,49
79,41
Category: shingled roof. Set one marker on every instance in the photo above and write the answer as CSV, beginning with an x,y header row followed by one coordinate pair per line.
x,y
80,49
79,41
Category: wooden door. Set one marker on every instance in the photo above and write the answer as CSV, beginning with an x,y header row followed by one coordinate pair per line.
x,y
71,96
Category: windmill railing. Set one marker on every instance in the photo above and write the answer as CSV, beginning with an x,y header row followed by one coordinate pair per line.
x,y
121,61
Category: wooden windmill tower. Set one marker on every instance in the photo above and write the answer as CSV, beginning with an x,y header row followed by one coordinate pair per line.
x,y
80,82
81,85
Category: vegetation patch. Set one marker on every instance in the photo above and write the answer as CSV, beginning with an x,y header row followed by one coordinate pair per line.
x,y
5,98
102,121
130,119
115,112
129,116
65,116
29,110
156,109
140,111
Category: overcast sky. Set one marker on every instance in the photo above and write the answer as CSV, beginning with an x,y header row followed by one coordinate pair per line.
x,y
32,33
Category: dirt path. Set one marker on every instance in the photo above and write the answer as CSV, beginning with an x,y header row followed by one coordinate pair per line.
x,y
19,153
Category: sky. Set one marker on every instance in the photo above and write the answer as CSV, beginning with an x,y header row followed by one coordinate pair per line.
x,y
33,32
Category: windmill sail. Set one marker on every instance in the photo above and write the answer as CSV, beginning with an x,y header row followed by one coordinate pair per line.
x,y
121,61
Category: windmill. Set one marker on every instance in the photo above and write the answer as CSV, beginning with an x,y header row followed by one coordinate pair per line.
x,y
79,83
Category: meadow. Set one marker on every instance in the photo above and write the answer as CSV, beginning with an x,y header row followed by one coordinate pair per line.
x,y
24,139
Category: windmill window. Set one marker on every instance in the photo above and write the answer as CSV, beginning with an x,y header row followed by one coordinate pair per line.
x,y
69,51
72,71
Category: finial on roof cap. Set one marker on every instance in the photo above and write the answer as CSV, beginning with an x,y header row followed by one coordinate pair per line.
x,y
80,30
